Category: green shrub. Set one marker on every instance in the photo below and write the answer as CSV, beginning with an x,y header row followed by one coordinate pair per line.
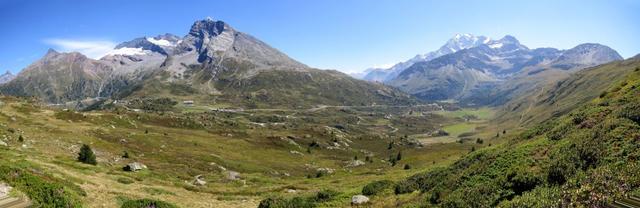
x,y
521,181
405,186
631,111
435,197
86,155
42,190
376,187
272,203
325,195
295,202
559,132
146,203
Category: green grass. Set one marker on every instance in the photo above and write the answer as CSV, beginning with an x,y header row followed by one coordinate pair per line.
x,y
484,113
456,129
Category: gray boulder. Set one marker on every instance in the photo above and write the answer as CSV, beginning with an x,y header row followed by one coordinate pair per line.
x,y
4,190
359,199
355,163
199,181
134,166
233,175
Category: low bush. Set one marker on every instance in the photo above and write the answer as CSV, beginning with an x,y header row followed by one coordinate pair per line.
x,y
298,202
146,203
43,191
376,187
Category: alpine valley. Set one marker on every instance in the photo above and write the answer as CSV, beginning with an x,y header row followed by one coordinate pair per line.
x,y
218,118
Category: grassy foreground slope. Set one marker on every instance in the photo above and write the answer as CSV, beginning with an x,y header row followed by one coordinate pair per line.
x,y
585,158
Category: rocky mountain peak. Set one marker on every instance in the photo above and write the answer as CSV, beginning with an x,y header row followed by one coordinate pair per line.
x,y
507,43
208,27
587,54
51,52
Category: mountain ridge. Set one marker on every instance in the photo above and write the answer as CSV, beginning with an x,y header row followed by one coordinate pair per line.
x,y
465,74
213,63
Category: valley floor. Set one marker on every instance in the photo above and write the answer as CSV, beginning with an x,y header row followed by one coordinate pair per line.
x,y
243,156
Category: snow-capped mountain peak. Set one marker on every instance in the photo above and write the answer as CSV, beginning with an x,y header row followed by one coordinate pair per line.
x,y
162,44
457,43
507,43
462,41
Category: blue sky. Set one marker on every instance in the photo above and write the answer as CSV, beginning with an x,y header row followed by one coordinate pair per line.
x,y
348,35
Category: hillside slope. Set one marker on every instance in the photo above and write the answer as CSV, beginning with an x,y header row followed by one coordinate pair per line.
x,y
564,93
587,157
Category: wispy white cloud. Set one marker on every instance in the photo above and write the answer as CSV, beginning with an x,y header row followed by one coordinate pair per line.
x,y
91,48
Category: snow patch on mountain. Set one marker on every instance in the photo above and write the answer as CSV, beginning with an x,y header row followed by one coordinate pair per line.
x,y
128,51
161,42
496,45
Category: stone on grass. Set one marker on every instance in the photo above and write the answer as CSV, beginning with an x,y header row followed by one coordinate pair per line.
x,y
355,163
359,199
199,181
134,166
4,190
233,175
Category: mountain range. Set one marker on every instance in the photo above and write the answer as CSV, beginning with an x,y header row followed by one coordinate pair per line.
x,y
213,63
470,68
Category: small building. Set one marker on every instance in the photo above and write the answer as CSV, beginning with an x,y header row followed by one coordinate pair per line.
x,y
188,102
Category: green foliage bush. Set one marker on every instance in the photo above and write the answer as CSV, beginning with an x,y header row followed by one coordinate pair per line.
x,y
43,191
295,202
631,111
376,187
146,203
325,195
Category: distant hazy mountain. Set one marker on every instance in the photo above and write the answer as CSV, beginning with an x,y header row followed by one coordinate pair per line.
x,y
457,43
213,63
6,77
470,73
